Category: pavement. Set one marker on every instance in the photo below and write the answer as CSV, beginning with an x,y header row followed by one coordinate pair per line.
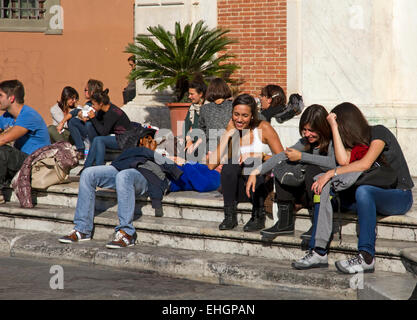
x,y
30,278
274,279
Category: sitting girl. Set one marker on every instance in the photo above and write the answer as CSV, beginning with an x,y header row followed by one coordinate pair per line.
x,y
315,151
350,129
110,122
246,138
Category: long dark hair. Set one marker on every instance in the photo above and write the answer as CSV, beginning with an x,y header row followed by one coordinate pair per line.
x,y
247,99
315,116
276,93
353,126
67,93
101,97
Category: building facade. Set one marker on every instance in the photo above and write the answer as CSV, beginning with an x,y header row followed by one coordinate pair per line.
x,y
361,51
50,44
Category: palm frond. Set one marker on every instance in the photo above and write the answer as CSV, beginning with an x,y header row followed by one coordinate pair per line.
x,y
166,59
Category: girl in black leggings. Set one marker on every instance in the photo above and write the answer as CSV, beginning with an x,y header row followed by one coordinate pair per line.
x,y
246,137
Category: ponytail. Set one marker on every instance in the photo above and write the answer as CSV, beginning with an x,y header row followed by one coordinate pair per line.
x,y
101,97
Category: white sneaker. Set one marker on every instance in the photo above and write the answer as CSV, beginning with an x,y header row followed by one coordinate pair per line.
x,y
355,265
311,260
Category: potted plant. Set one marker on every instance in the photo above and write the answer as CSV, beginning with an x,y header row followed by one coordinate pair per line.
x,y
170,60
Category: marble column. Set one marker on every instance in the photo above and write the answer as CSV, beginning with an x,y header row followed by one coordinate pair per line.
x,y
361,51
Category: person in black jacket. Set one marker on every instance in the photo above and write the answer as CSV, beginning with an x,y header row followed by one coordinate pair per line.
x,y
274,104
110,122
137,171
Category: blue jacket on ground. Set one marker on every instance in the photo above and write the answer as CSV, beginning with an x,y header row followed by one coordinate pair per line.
x,y
196,177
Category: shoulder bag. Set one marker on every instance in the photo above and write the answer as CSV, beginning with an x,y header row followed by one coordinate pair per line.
x,y
47,172
378,175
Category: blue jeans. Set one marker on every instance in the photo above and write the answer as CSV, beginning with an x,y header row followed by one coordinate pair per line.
x,y
371,200
97,150
81,130
128,183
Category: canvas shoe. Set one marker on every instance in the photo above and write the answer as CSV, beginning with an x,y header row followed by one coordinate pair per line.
x,y
2,200
311,260
74,236
122,240
355,265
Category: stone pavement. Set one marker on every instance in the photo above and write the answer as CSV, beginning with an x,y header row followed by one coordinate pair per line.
x,y
221,269
34,278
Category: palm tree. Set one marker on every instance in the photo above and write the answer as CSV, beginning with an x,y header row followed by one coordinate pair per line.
x,y
165,60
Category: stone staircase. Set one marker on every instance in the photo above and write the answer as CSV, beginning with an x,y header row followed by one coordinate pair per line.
x,y
190,224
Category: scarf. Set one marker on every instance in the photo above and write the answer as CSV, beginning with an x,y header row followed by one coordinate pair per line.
x,y
194,108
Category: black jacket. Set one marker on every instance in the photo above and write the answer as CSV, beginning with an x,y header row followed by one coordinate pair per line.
x,y
133,157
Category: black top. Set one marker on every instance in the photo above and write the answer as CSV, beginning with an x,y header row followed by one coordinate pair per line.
x,y
113,121
272,111
393,155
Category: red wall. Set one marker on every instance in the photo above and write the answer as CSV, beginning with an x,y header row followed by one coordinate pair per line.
x,y
260,26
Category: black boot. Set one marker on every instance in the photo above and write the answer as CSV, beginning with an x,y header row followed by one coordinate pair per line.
x,y
257,221
285,224
230,218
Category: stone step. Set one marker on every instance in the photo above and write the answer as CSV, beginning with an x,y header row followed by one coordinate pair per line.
x,y
216,268
196,235
209,207
409,258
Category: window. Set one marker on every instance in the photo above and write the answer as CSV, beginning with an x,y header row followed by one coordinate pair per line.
x,y
22,9
29,15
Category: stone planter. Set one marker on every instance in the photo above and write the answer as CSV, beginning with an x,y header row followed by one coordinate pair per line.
x,y
178,112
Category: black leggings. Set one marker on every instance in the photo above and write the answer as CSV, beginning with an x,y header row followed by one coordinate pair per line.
x,y
301,194
234,187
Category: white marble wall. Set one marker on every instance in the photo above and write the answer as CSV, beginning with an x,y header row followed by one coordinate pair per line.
x,y
362,51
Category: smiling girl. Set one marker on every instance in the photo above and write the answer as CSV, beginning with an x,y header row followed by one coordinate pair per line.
x,y
196,93
247,138
314,149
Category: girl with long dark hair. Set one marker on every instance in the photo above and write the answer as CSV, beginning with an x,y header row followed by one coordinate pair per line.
x,y
69,98
246,138
109,121
315,150
78,124
350,128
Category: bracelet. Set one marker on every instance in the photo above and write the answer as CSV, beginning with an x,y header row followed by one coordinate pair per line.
x,y
335,173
